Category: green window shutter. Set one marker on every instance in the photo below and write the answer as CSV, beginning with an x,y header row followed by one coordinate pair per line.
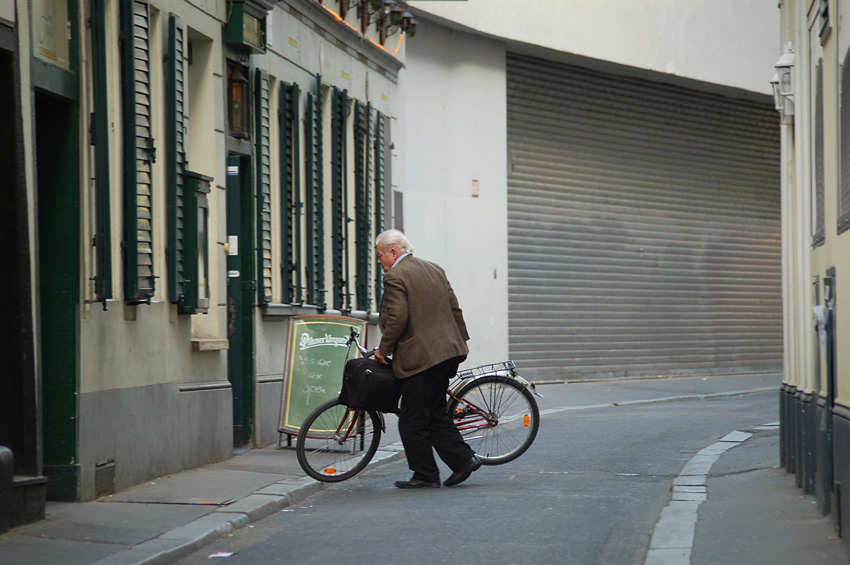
x,y
844,132
138,152
314,197
339,201
819,201
100,139
264,188
362,203
290,184
196,230
176,157
381,148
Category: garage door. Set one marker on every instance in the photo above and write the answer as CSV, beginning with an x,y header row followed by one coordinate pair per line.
x,y
644,227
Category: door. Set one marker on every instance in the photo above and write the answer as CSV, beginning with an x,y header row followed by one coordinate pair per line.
x,y
240,291
58,289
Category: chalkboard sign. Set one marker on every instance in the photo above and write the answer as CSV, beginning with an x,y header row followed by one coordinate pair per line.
x,y
315,356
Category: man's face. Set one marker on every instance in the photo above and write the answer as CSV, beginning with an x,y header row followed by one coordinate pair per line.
x,y
386,257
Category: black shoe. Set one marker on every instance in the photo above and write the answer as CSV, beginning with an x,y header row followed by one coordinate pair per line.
x,y
416,483
463,473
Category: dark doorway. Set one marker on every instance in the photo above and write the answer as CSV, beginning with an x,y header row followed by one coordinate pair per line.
x,y
58,228
241,288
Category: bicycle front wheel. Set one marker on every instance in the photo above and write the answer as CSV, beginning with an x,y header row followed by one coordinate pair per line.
x,y
335,443
497,416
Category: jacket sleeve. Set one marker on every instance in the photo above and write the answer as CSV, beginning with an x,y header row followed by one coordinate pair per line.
x,y
457,313
394,313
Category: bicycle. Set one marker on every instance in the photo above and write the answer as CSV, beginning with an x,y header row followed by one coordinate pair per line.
x,y
492,405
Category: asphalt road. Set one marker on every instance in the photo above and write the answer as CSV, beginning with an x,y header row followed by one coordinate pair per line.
x,y
590,490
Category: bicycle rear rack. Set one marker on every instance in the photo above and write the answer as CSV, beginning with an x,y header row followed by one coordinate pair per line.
x,y
491,369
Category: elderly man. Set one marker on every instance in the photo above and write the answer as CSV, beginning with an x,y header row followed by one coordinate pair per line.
x,y
423,330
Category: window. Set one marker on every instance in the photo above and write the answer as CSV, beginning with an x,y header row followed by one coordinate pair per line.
x,y
196,297
352,209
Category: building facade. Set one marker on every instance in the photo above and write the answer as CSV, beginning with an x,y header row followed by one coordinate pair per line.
x,y
184,177
618,180
812,94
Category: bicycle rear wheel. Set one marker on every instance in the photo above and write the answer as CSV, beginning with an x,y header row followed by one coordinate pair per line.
x,y
497,416
335,443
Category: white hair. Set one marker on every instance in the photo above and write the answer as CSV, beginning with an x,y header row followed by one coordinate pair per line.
x,y
393,239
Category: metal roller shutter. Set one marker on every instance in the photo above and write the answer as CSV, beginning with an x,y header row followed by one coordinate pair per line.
x,y
643,227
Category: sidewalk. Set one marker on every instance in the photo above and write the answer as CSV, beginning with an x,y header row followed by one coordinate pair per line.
x,y
171,517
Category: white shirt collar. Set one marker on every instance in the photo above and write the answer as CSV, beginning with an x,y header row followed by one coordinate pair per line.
x,y
400,257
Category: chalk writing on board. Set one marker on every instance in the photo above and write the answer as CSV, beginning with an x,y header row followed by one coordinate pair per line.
x,y
304,360
310,389
316,354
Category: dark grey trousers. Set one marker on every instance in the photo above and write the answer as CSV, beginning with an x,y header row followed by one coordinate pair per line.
x,y
424,424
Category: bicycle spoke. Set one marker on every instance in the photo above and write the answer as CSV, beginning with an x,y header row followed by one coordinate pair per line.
x,y
336,443
497,416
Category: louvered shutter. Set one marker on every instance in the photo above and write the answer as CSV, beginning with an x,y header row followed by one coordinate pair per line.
x,y
314,196
100,134
339,222
381,149
844,132
176,156
362,204
290,186
264,187
819,230
138,153
643,227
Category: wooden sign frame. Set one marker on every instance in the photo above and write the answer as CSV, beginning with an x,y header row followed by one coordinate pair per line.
x,y
315,357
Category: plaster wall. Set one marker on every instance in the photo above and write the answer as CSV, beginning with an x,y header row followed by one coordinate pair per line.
x,y
725,42
130,346
455,135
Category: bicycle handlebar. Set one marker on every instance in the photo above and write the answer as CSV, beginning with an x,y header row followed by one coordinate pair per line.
x,y
352,338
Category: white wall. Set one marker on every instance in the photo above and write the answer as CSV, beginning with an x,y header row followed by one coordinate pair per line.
x,y
455,131
728,42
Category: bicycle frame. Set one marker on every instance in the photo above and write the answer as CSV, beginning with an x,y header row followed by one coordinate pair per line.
x,y
483,419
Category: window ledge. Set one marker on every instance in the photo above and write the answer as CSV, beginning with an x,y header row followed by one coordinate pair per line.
x,y
279,312
201,344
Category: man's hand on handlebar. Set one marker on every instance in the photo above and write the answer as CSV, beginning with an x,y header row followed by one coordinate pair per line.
x,y
380,357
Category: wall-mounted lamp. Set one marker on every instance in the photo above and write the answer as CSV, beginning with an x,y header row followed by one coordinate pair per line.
x,y
408,24
237,102
777,95
783,82
396,14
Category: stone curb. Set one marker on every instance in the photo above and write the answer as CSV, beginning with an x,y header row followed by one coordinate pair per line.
x,y
183,541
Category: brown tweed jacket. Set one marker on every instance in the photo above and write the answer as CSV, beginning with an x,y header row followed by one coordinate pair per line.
x,y
421,322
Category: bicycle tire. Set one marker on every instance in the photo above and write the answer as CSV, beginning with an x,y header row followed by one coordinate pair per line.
x,y
510,404
324,455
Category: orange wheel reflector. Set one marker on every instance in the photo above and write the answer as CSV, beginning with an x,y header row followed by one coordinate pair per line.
x,y
526,420
330,470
